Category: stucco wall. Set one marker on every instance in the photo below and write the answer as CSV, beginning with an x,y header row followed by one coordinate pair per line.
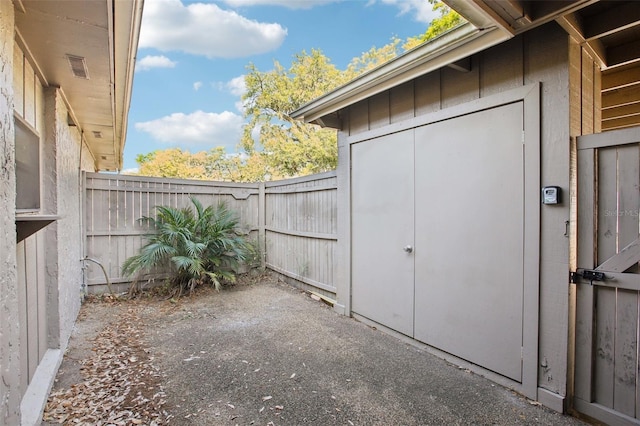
x,y
62,197
9,330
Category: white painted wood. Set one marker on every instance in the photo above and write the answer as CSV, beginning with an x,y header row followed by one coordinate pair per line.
x,y
470,244
382,190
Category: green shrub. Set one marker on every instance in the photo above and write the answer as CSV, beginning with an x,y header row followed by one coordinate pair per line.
x,y
200,245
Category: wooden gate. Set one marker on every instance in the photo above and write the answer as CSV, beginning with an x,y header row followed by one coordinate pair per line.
x,y
607,383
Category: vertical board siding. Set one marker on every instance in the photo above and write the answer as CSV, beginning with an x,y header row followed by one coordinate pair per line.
x,y
299,215
301,230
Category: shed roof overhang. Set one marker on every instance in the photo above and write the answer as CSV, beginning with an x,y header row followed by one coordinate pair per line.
x,y
608,30
88,50
452,46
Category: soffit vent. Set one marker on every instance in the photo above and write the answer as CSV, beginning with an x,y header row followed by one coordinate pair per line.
x,y
97,134
78,66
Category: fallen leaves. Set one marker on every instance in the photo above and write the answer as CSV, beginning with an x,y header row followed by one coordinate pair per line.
x,y
121,385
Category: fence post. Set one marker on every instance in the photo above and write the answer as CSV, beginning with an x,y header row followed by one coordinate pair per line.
x,y
262,225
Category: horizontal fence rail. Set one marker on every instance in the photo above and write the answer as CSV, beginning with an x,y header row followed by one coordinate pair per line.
x,y
293,220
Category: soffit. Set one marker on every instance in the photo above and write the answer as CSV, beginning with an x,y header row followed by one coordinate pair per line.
x,y
53,30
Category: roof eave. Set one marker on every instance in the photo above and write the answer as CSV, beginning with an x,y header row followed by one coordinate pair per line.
x,y
452,46
126,31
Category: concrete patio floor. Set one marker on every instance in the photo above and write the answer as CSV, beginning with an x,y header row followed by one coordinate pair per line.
x,y
267,354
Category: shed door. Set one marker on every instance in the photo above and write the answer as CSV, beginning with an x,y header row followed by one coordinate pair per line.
x,y
382,208
469,237
607,364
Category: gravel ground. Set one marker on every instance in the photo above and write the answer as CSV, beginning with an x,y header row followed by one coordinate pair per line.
x,y
264,353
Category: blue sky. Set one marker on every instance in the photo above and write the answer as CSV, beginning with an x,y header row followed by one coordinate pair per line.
x,y
193,55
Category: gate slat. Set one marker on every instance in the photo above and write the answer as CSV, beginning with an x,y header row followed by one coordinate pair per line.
x,y
606,297
626,352
586,258
629,197
607,361
627,332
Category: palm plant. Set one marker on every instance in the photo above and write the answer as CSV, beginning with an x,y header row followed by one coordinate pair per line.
x,y
201,245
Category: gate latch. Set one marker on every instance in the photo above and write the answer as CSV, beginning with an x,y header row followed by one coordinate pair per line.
x,y
588,275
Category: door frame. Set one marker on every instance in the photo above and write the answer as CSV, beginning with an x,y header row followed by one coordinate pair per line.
x,y
530,96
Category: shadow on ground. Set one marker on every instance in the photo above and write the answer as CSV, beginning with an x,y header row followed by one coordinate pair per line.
x,y
267,354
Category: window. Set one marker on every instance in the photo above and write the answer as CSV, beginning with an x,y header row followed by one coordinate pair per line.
x,y
27,167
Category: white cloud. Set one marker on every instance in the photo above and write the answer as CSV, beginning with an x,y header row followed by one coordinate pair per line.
x,y
151,61
132,171
421,10
236,86
197,128
291,4
205,29
197,85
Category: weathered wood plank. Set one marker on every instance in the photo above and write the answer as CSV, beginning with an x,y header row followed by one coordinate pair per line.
x,y
605,346
585,259
606,297
622,261
587,93
626,352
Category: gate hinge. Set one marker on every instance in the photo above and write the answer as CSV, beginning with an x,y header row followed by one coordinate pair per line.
x,y
586,274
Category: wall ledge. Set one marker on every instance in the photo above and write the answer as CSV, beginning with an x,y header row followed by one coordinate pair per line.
x,y
35,398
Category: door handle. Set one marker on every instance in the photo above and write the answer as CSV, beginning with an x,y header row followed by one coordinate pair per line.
x,y
408,249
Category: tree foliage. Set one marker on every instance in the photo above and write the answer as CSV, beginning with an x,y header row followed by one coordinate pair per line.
x,y
273,145
447,20
288,147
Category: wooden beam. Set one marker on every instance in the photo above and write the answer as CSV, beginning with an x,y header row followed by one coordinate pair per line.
x,y
622,111
616,18
463,65
623,53
618,79
331,120
572,24
621,123
619,97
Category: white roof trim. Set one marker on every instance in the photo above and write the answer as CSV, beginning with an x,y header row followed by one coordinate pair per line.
x,y
450,47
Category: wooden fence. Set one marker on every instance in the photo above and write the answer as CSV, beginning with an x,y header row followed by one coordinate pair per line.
x,y
294,222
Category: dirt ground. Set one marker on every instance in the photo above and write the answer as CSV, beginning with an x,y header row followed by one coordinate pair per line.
x,y
263,353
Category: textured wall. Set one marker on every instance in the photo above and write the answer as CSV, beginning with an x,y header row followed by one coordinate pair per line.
x,y
9,330
63,189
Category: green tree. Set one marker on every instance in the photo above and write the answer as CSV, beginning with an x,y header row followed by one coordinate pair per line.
x,y
447,20
275,146
289,148
176,163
